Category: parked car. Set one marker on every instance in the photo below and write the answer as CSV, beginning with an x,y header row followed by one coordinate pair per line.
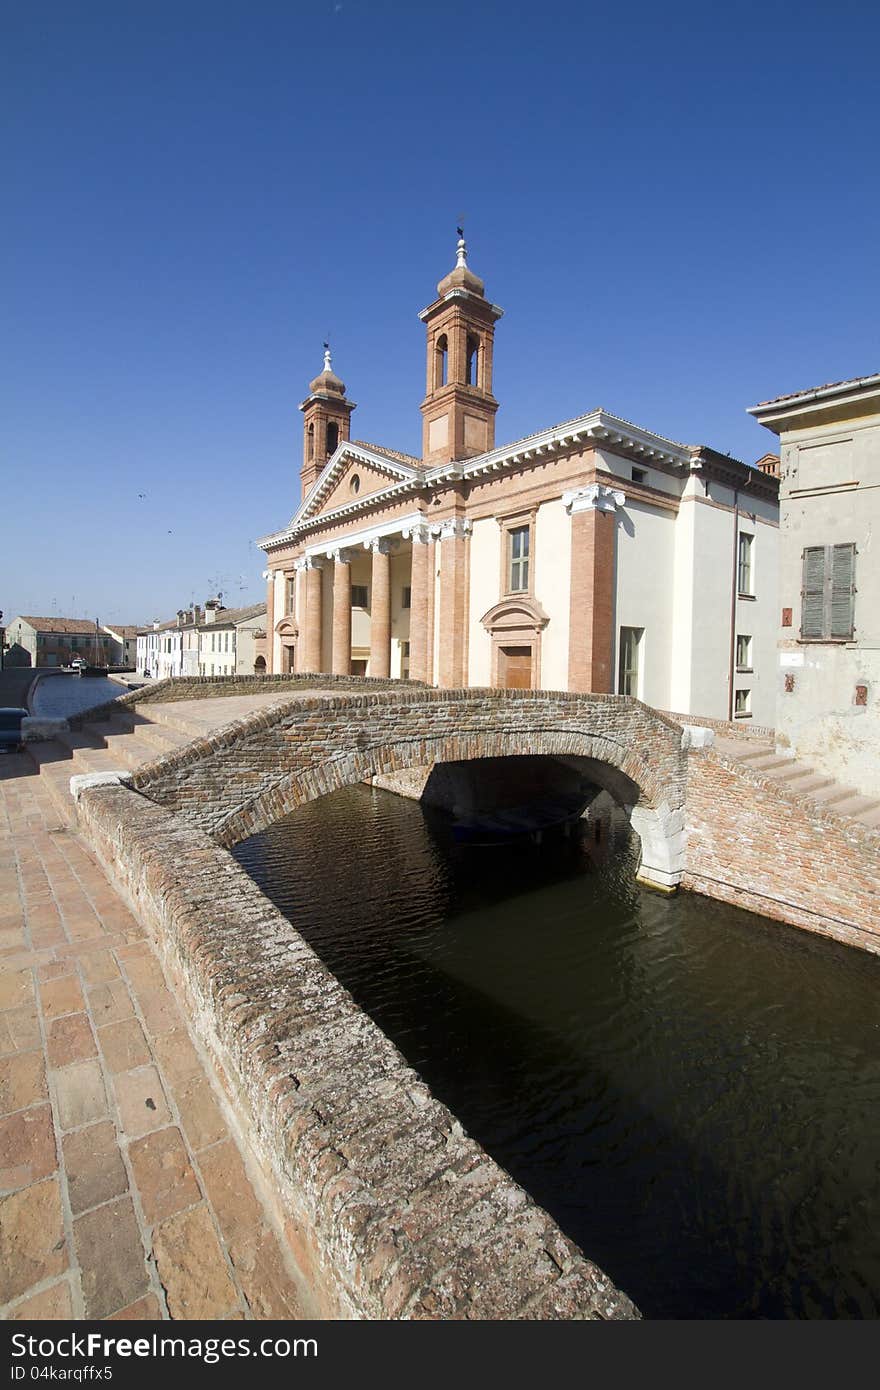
x,y
10,728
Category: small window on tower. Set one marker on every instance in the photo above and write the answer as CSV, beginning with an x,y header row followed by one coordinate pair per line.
x,y
311,442
441,361
473,361
332,437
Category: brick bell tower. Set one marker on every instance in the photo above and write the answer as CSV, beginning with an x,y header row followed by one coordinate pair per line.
x,y
458,412
326,422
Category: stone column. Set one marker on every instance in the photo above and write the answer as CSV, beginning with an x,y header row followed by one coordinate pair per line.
x,y
341,658
591,594
419,636
380,610
311,637
453,601
269,576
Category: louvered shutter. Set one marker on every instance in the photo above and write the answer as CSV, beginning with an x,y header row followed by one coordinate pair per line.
x,y
843,565
813,592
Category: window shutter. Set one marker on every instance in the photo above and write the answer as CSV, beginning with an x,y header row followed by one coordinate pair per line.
x,y
843,564
813,592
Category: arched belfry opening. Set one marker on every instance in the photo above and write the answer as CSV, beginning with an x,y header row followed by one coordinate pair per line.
x,y
458,412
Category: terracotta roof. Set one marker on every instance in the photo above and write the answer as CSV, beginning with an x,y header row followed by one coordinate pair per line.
x,y
125,631
66,625
812,390
389,453
228,617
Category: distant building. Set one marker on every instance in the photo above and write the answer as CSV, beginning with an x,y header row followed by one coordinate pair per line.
x,y
595,555
124,644
828,684
216,641
59,641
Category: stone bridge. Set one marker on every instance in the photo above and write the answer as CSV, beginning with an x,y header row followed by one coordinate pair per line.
x,y
248,774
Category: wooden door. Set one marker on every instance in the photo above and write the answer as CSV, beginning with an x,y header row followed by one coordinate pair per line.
x,y
515,668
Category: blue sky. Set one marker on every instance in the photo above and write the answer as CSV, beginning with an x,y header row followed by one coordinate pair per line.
x,y
677,207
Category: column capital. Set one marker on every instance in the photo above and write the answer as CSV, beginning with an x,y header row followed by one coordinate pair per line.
x,y
268,574
419,535
341,555
382,546
308,562
452,528
596,497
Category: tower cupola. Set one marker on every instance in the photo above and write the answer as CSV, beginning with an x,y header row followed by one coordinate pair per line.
x,y
458,412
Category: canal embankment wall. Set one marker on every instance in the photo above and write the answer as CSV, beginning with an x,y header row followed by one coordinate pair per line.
x,y
391,1210
757,844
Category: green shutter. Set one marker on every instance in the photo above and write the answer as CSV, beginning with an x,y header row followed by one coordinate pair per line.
x,y
843,567
813,592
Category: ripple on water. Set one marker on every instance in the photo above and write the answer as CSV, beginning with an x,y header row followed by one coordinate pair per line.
x,y
691,1090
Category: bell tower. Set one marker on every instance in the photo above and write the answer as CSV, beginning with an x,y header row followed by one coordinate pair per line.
x,y
458,412
326,422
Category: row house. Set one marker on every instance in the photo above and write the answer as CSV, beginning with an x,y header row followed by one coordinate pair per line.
x,y
592,556
216,641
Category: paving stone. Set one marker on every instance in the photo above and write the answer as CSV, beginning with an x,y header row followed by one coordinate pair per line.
x,y
27,1147
62,996
163,1174
191,1266
143,970
265,1282
176,1055
32,1244
52,1305
111,1258
145,1310
141,1101
110,1002
203,1123
70,1039
80,1094
16,988
22,1081
98,966
124,1045
94,1166
20,1030
160,1012
230,1193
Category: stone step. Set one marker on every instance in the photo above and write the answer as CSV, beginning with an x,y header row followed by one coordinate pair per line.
x,y
191,726
132,751
855,805
790,774
805,786
747,752
869,818
832,795
767,762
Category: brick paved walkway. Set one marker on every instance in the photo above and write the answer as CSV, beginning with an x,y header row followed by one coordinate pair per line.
x,y
123,1192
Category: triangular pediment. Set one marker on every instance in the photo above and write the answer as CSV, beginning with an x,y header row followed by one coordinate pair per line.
x,y
354,474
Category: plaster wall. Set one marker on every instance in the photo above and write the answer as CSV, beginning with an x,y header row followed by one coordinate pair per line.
x,y
830,492
552,586
643,595
485,580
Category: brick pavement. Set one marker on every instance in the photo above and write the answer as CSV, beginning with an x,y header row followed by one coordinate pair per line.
x,y
123,1189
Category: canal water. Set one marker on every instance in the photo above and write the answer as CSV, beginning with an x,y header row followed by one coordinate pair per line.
x,y
692,1091
58,697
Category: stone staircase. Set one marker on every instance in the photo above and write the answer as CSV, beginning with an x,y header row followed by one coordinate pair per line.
x,y
799,777
127,740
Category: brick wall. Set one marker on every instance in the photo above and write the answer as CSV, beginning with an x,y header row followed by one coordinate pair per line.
x,y
247,775
728,728
392,1211
758,845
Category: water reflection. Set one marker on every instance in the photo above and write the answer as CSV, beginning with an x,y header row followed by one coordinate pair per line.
x,y
691,1090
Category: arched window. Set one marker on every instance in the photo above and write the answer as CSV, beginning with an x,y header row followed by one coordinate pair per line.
x,y
332,437
473,361
441,361
311,445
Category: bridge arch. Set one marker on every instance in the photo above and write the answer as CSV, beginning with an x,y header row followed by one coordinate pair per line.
x,y
247,776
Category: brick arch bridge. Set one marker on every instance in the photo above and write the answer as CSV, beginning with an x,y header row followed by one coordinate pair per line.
x,y
250,773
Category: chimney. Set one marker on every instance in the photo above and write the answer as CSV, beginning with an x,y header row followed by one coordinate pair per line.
x,y
197,613
157,623
181,617
211,607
